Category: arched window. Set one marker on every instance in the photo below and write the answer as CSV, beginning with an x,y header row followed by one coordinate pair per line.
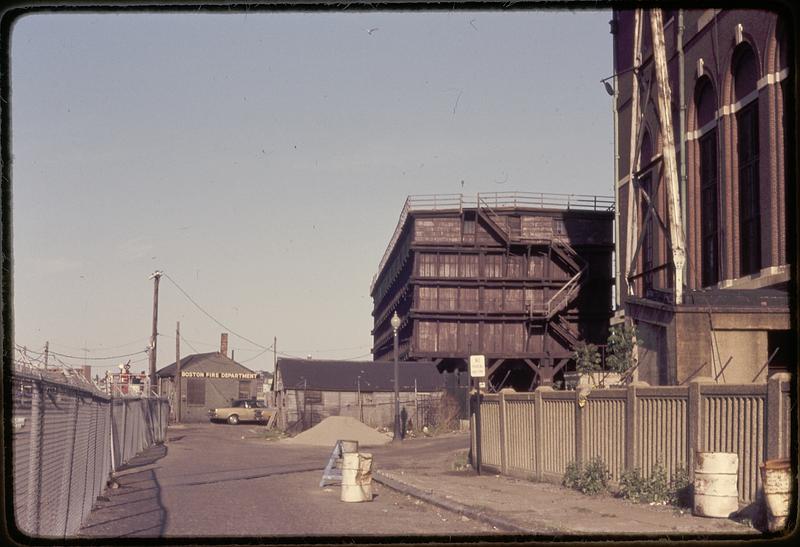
x,y
745,74
706,104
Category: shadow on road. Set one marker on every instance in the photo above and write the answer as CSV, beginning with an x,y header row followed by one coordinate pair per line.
x,y
134,509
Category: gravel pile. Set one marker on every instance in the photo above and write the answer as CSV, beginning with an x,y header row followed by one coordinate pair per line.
x,y
335,428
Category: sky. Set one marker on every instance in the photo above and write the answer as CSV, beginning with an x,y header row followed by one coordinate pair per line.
x,y
261,161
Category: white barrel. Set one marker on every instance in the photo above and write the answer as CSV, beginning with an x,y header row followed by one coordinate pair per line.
x,y
776,480
716,478
356,477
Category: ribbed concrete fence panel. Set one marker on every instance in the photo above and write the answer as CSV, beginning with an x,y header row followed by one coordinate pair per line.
x,y
558,433
490,433
736,424
604,430
519,435
661,415
638,427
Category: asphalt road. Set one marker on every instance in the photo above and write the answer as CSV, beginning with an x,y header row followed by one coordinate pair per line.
x,y
221,481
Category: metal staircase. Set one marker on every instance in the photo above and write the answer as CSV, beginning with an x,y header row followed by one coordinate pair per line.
x,y
577,266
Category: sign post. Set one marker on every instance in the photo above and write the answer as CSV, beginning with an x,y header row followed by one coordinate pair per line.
x,y
477,369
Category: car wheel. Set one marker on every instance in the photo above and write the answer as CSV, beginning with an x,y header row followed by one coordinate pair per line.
x,y
233,419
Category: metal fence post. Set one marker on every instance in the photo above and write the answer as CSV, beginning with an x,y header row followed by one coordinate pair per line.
x,y
35,454
66,484
123,453
503,436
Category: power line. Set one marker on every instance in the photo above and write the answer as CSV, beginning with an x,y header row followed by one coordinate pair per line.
x,y
211,316
255,356
329,349
109,358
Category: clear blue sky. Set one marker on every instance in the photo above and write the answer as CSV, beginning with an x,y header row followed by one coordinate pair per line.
x,y
261,161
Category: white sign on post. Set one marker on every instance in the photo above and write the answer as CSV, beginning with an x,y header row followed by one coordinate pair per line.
x,y
477,366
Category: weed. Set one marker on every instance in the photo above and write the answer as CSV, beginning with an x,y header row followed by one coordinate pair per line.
x,y
589,479
446,414
461,462
657,488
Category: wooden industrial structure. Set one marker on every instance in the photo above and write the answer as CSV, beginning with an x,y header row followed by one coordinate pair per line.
x,y
518,277
704,254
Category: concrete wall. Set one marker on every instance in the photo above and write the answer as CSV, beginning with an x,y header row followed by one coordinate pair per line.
x,y
677,344
535,435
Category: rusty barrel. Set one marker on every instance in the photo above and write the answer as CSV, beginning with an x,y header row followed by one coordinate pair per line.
x,y
716,477
356,477
776,480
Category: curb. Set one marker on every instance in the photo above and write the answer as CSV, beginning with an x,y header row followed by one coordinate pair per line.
x,y
494,520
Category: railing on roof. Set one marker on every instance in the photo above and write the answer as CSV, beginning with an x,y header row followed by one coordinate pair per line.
x,y
494,200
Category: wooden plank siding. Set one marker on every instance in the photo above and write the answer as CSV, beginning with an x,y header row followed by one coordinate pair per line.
x,y
465,284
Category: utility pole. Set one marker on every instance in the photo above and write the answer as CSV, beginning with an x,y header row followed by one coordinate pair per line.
x,y
178,381
46,353
155,276
274,354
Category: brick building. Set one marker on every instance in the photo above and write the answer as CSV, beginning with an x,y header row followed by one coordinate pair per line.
x,y
728,73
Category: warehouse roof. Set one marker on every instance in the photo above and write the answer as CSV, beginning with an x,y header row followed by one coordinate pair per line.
x,y
357,375
204,362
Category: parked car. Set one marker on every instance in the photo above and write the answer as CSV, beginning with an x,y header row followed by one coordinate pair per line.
x,y
242,410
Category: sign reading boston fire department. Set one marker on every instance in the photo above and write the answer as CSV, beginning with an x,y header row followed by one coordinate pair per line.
x,y
233,375
477,366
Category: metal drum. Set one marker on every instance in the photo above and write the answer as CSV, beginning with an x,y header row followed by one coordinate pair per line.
x,y
716,476
356,477
776,478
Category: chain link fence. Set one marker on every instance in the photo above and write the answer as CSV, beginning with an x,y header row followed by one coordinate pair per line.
x,y
67,439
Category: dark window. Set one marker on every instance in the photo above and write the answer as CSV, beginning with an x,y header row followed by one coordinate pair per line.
x,y
469,227
746,76
313,396
749,206
195,391
244,388
781,347
648,251
709,227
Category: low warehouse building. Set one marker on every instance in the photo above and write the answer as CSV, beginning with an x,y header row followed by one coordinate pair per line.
x,y
208,380
309,390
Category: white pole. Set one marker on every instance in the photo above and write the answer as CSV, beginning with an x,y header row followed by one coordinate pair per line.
x,y
668,149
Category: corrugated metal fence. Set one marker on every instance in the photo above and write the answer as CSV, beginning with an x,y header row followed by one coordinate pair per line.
x,y
63,435
535,435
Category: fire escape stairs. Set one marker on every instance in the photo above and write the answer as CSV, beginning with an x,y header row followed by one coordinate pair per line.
x,y
491,220
562,328
575,266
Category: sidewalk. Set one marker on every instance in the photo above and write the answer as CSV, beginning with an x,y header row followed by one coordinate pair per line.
x,y
424,468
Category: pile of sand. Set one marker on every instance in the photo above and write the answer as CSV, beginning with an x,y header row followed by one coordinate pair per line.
x,y
336,428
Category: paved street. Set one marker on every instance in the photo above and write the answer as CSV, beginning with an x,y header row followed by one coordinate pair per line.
x,y
209,481
214,480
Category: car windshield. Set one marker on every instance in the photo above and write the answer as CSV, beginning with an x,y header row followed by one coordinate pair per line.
x,y
238,404
260,404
